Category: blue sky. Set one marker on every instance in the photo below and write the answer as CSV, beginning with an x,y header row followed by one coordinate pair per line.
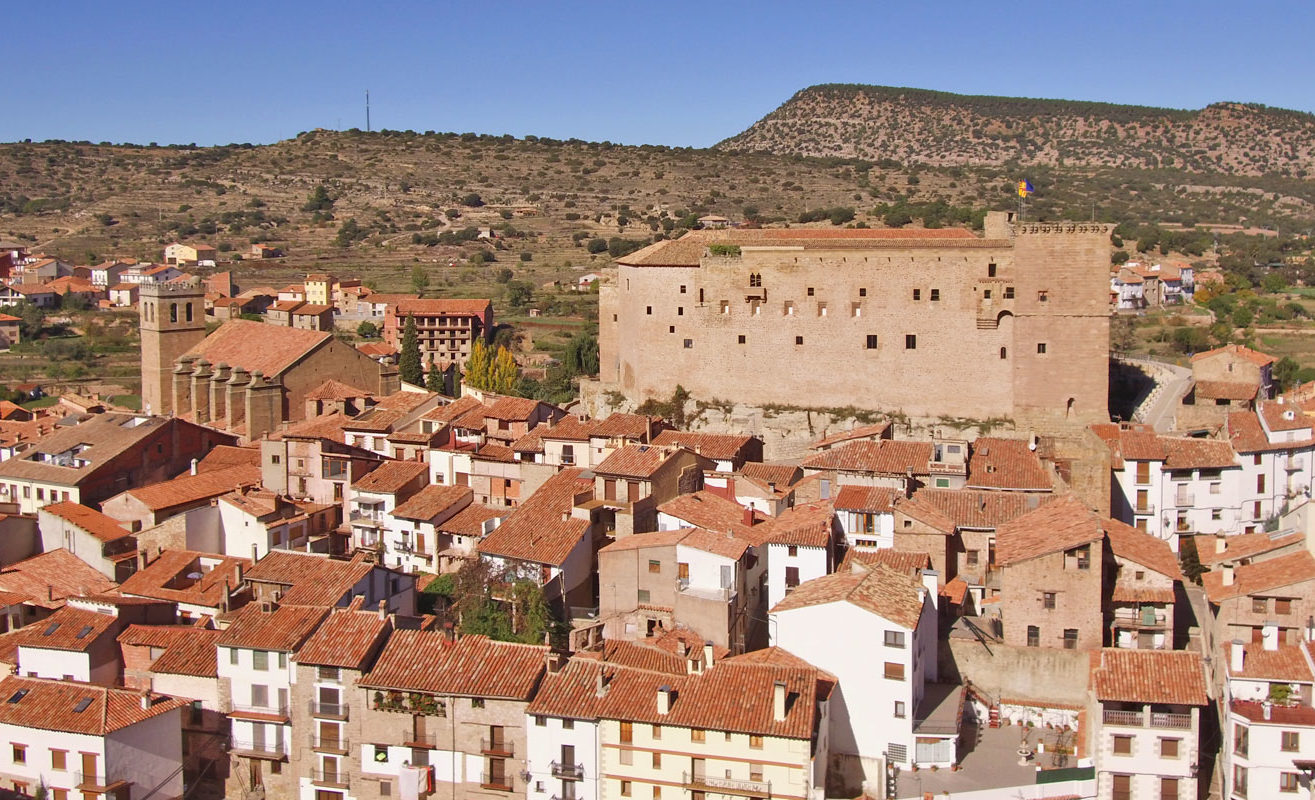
x,y
670,73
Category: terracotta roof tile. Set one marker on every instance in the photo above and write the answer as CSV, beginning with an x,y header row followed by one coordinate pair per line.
x,y
1287,663
346,638
1006,464
391,476
1243,546
703,509
188,650
1226,390
1142,548
69,628
1171,677
470,520
569,428
1247,436
717,446
1255,712
284,628
629,426
1284,416
1192,453
807,525
255,346
335,390
884,457
570,693
53,706
636,461
48,579
447,306
311,579
782,475
222,456
425,661
1261,576
433,500
875,431
910,562
195,488
867,499
512,409
542,529
980,510
1141,594
890,594
167,578
646,655
1254,356
104,528
1057,526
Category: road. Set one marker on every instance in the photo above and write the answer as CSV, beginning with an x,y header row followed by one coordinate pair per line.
x,y
1171,383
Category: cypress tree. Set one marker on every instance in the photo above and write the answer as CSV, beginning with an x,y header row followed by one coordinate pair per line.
x,y
408,362
434,380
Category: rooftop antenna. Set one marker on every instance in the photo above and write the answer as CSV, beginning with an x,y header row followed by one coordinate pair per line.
x,y
367,110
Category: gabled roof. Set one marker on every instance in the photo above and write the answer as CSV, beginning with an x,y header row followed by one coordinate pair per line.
x,y
1140,547
1171,677
719,543
1244,545
69,628
628,426
259,627
1247,436
222,456
571,692
889,594
1061,525
333,389
1254,356
980,510
104,528
703,509
636,461
875,431
473,666
346,638
189,488
258,347
910,562
867,499
432,500
541,529
1261,576
717,446
1226,390
882,457
167,578
782,475
48,579
1006,464
806,525
391,476
1287,663
311,579
188,650
81,708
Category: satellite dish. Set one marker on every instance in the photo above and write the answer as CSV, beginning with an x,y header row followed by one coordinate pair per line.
x,y
196,576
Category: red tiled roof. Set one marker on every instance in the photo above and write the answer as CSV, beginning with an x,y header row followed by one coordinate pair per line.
x,y
222,456
391,476
868,499
1243,546
346,638
806,525
1142,548
69,628
1283,416
188,650
1289,716
1171,677
1254,356
569,428
53,706
1261,576
283,628
983,510
255,346
1192,453
911,562
425,661
512,409
888,593
194,488
570,693
703,509
312,579
875,431
782,475
1006,464
447,306
636,461
628,426
335,390
883,457
1226,390
717,446
432,500
104,528
1057,526
542,529
1247,436
48,579
1287,663
166,578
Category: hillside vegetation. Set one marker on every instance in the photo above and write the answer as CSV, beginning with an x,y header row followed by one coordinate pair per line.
x,y
944,129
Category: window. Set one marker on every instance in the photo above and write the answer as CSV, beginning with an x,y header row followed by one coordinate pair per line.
x,y
1282,605
894,639
1070,638
1255,459
894,671
1169,748
798,340
657,758
476,702
810,291
689,343
741,338
1033,636
970,558
725,307
1259,605
627,732
935,295
274,459
755,279
1048,600
901,711
1004,352
20,754
1042,296
791,577
59,759
654,566
568,724
1260,483
1122,745
1290,741
541,721
1239,780
792,550
821,309
872,341
260,659
671,329
625,788
259,696
682,288
1287,782
1040,348
755,772
1168,789
648,310
910,341
232,656
990,270
642,595
657,791
680,311
862,292
1216,514
917,294
755,742
698,735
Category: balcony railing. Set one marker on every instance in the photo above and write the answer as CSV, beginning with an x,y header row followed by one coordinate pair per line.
x,y
275,709
728,785
1184,499
331,744
721,595
266,749
496,747
1157,719
94,783
1144,508
428,741
567,772
319,708
335,779
1179,721
1128,719
498,783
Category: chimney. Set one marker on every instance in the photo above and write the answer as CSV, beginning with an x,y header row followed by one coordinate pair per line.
x,y
194,463
748,516
929,583
681,648
1236,657
707,654
1226,572
237,575
146,699
664,699
1269,635
600,689
1221,544
778,701
255,553
1266,707
383,609
226,599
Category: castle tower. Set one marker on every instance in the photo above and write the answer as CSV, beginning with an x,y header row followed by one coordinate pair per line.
x,y
172,319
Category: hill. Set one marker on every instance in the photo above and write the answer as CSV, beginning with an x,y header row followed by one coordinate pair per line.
x,y
944,129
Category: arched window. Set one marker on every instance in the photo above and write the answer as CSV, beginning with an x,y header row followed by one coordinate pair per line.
x,y
1004,352
755,279
173,312
189,312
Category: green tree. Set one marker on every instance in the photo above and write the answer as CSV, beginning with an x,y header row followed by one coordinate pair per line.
x,y
319,200
477,366
348,233
367,330
504,375
1243,317
434,378
581,355
419,280
597,246
408,361
472,200
1273,283
1285,373
519,293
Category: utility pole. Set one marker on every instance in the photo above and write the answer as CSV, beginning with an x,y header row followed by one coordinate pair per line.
x,y
367,110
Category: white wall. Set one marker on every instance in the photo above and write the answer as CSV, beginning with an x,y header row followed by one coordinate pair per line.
x,y
811,561
543,745
149,754
37,662
39,744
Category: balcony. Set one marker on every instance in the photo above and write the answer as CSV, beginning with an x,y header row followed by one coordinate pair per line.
x,y
319,708
424,741
1127,719
409,549
568,772
1164,720
496,747
717,595
279,710
274,751
1185,500
708,783
498,783
92,783
330,744
1138,719
334,779
1144,508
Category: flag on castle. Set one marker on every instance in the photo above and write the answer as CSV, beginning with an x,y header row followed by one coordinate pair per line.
x,y
1024,188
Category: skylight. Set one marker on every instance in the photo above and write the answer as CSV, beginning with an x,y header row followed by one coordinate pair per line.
x,y
50,629
18,695
82,634
82,705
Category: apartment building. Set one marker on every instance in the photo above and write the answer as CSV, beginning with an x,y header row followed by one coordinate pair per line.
x,y
371,499
634,481
1146,585
454,708
1147,735
561,733
315,468
801,544
1263,599
447,328
414,534
1268,747
95,538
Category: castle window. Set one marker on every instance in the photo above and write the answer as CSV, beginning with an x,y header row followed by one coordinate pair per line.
x,y
1004,352
872,341
189,312
862,292
986,294
680,311
821,309
1040,348
648,310
741,338
810,291
700,297
173,312
910,341
917,294
725,306
789,308
856,309
935,295
671,329
1042,296
689,343
1009,293
682,288
798,340
755,279
990,270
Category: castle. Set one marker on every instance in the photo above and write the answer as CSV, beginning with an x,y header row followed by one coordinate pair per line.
x,y
245,377
928,323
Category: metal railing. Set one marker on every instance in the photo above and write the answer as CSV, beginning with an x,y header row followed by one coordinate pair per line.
x,y
334,778
339,744
319,708
500,747
1185,499
427,740
570,772
710,783
250,745
279,709
722,595
1144,508
501,783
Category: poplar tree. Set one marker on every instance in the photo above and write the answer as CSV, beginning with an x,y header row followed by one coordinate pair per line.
x,y
504,374
477,366
409,366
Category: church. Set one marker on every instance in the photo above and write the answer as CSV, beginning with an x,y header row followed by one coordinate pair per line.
x,y
247,378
